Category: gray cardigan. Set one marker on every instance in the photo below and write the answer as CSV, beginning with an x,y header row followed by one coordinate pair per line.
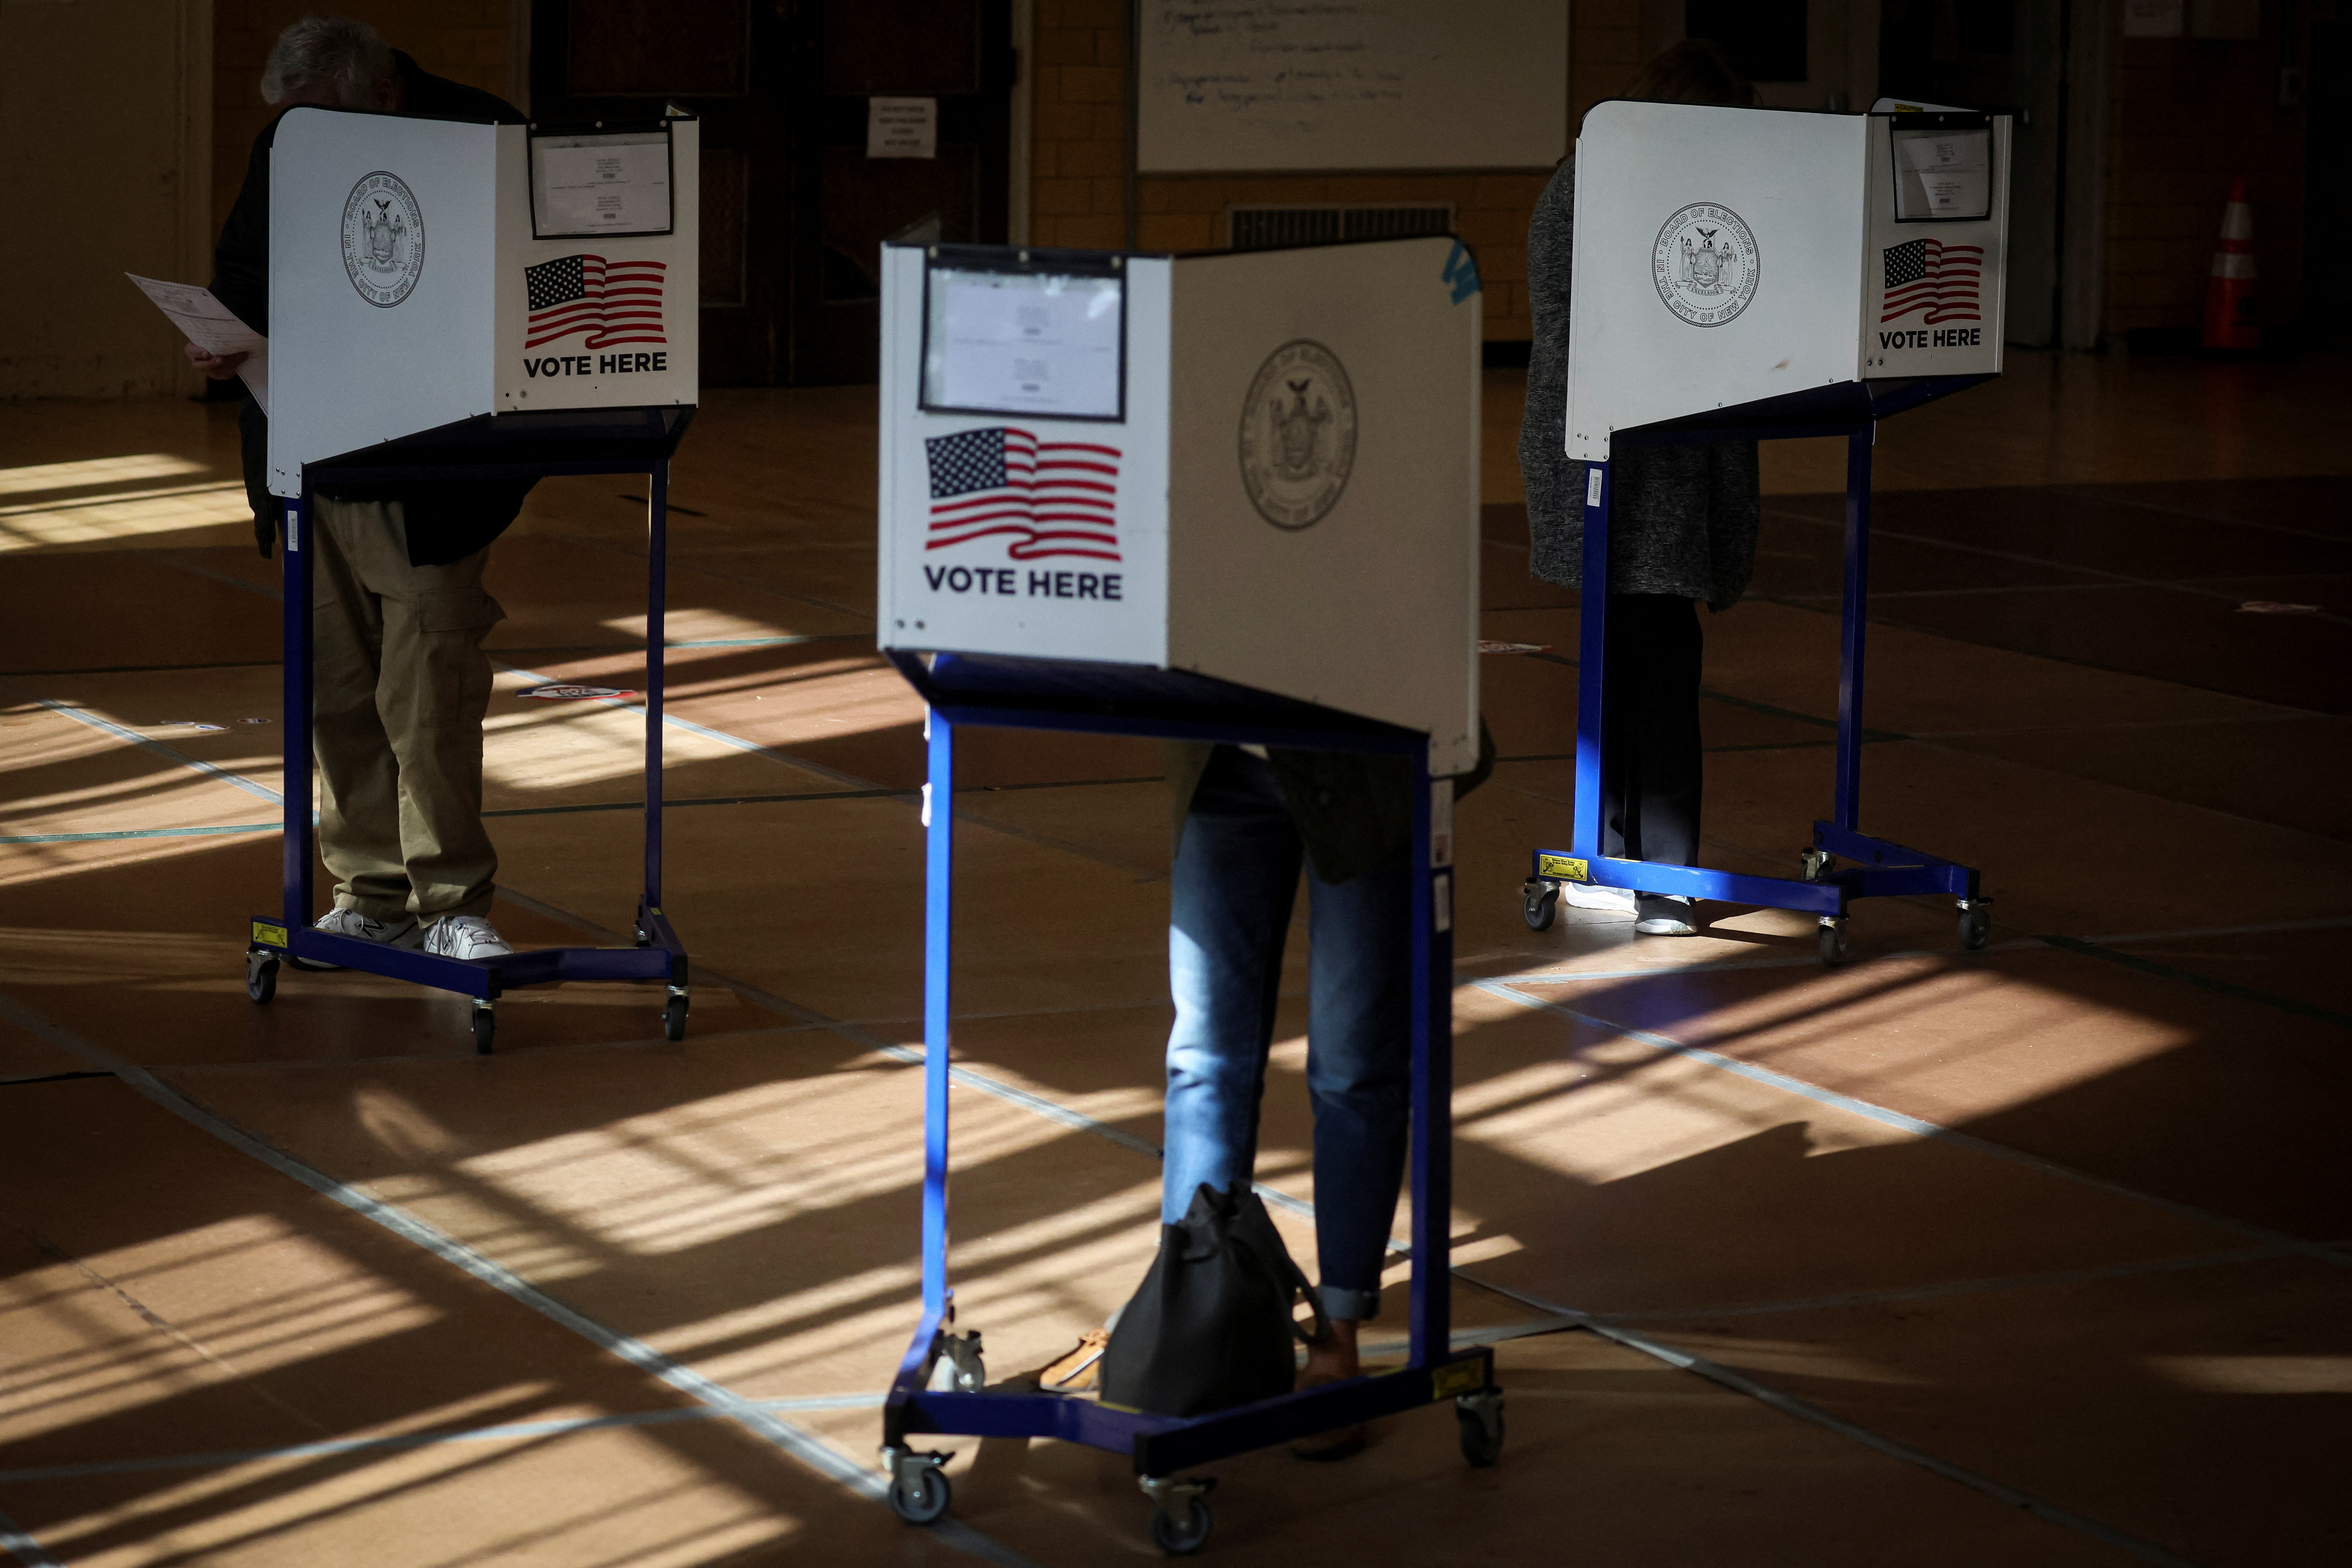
x,y
1681,518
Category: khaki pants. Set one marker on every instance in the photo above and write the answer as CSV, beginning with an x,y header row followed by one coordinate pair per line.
x,y
399,684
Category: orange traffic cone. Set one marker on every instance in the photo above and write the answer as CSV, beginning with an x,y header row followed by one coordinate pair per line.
x,y
2229,322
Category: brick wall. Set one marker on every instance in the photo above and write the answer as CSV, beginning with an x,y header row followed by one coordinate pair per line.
x,y
2186,115
465,40
1078,197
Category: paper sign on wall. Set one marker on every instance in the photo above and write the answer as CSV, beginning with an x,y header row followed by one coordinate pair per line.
x,y
902,127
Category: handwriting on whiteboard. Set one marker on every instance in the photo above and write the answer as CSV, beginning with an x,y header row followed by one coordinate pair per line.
x,y
1332,84
1251,59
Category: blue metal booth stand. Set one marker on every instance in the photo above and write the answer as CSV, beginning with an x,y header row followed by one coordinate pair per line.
x,y
940,1388
1876,869
507,446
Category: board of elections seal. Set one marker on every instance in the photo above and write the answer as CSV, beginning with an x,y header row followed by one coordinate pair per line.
x,y
1705,263
384,239
1298,435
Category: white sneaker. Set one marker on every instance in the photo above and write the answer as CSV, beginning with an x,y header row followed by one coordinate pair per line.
x,y
1666,914
340,921
464,936
1593,895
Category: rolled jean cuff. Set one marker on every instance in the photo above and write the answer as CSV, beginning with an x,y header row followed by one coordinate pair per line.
x,y
1339,1301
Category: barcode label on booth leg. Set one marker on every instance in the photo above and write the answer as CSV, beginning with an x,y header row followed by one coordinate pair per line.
x,y
1441,901
1440,823
1592,484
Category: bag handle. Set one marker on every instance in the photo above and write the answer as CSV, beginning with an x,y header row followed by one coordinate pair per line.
x,y
1299,1282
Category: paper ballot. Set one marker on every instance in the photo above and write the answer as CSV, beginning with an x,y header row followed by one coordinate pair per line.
x,y
212,326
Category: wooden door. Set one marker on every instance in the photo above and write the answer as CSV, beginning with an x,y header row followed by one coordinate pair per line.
x,y
957,52
793,213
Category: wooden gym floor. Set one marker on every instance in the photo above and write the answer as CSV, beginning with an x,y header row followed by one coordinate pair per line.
x,y
2038,1256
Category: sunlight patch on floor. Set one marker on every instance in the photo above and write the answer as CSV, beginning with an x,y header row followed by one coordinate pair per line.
x,y
32,478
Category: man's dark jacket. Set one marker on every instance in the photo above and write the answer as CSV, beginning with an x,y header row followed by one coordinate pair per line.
x,y
447,520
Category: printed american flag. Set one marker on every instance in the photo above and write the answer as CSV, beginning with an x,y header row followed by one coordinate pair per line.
x,y
1926,275
1052,498
605,303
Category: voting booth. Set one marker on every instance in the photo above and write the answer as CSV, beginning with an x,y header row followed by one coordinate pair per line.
x,y
454,301
1225,498
1745,273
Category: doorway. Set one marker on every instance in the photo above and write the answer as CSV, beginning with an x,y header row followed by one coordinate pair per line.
x,y
2006,56
794,211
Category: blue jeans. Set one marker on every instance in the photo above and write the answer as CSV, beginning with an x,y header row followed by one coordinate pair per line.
x,y
1235,877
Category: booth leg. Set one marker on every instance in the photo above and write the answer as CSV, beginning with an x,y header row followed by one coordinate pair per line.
x,y
939,822
294,727
1593,644
1431,1148
1856,616
657,642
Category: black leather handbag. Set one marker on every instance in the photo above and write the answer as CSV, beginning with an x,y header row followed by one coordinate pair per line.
x,y
1211,1325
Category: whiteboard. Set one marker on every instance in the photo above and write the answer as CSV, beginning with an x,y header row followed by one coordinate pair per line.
x,y
1351,84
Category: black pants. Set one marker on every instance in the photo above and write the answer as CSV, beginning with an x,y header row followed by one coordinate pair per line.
x,y
1650,764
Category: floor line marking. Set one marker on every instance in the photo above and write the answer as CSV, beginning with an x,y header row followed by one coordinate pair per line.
x,y
2263,928
108,726
2177,586
794,1440
1787,1405
1990,1286
142,833
512,1431
1715,1371
2014,944
23,1547
1568,1317
1668,1045
163,558
787,759
2297,716
1080,1122
2096,490
2229,988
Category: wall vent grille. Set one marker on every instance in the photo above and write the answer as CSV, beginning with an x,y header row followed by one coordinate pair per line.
x,y
1321,222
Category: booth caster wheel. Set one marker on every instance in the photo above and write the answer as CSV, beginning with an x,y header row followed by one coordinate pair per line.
x,y
920,1493
485,1027
260,976
1180,1512
1540,902
1179,1534
1975,924
674,1016
1481,1415
1813,865
1832,941
957,1366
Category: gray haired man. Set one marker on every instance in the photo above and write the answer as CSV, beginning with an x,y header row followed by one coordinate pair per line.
x,y
399,680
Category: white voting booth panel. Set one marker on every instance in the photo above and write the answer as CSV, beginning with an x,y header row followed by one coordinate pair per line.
x,y
408,292
1286,497
1727,256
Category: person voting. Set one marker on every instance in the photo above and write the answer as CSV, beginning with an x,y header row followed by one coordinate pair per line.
x,y
1685,534
1247,820
400,681
1230,500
